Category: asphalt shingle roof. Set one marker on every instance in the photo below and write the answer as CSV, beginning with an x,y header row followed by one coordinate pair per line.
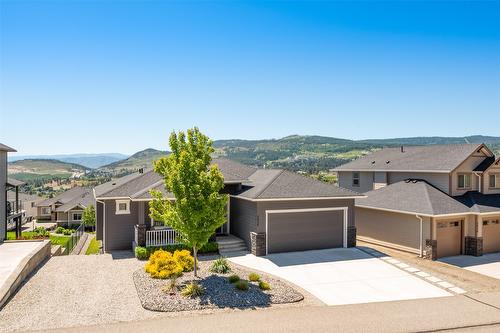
x,y
484,165
439,158
413,196
65,197
83,200
256,183
481,203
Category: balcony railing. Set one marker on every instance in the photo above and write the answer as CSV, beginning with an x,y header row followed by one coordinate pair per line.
x,y
161,237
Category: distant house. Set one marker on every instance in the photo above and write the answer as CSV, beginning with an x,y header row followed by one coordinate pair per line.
x,y
67,207
270,210
27,202
437,201
8,211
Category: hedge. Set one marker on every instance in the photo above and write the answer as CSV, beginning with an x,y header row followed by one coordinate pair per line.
x,y
210,247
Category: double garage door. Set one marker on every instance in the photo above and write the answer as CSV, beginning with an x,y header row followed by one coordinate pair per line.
x,y
449,238
308,229
491,236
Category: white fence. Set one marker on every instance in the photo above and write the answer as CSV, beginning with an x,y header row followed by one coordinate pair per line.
x,y
161,237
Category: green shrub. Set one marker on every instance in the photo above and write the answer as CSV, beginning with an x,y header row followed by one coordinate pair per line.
x,y
210,247
161,265
264,285
141,253
220,266
67,232
241,285
192,290
233,278
185,259
254,277
171,285
60,230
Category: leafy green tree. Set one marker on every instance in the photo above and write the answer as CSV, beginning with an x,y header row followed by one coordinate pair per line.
x,y
199,208
88,216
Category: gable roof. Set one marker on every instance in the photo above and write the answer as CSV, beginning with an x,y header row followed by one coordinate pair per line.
x,y
83,200
485,164
414,197
256,184
64,197
481,203
433,158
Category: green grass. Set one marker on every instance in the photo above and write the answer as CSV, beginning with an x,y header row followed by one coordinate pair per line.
x,y
54,240
93,246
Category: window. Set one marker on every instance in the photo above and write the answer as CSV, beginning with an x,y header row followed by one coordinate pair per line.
x,y
122,206
45,210
464,181
355,179
77,216
494,181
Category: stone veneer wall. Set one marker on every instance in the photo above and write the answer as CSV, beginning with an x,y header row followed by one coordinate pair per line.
x,y
430,249
351,236
258,242
474,246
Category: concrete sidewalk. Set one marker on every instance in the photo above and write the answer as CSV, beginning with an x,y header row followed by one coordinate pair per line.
x,y
457,312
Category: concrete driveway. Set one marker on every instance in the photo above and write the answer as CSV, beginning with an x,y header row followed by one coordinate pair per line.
x,y
343,276
488,264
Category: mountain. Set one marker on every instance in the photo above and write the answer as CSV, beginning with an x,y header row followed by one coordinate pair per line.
x,y
313,154
30,169
141,159
88,160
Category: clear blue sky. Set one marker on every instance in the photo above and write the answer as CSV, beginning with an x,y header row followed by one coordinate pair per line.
x,y
118,76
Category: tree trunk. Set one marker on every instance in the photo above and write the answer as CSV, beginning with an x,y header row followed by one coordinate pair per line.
x,y
195,256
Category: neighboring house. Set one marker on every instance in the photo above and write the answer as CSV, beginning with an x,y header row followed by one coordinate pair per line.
x,y
437,201
271,210
27,202
67,207
8,212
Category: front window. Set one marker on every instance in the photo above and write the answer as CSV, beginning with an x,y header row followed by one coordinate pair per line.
x,y
355,179
45,210
464,181
122,207
494,181
77,216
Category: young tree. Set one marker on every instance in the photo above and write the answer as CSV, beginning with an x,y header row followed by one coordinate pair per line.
x,y
88,216
199,208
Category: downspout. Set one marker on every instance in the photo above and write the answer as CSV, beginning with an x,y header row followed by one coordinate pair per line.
x,y
480,185
103,219
421,235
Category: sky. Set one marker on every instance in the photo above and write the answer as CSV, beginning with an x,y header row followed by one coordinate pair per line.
x,y
119,76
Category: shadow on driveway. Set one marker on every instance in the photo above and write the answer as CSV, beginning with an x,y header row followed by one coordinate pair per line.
x,y
317,256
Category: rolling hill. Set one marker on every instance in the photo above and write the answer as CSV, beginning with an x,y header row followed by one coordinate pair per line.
x,y
141,159
44,170
88,160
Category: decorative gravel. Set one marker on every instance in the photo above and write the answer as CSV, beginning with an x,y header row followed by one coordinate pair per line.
x,y
219,293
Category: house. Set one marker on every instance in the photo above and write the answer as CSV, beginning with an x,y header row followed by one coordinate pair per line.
x,y
271,210
436,201
27,202
66,208
8,211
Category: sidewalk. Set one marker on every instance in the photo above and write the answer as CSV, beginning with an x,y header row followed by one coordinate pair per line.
x,y
458,312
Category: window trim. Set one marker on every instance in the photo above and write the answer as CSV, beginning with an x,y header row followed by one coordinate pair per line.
x,y
465,187
118,211
46,211
358,178
73,216
496,182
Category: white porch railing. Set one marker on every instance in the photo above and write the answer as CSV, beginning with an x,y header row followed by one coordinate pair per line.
x,y
161,237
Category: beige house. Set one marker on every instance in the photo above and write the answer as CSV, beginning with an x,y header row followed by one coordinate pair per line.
x,y
436,201
67,207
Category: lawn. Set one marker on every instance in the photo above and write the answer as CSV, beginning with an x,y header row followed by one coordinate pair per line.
x,y
55,240
93,246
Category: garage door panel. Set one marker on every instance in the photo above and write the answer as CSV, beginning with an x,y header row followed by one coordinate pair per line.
x,y
300,231
449,236
491,236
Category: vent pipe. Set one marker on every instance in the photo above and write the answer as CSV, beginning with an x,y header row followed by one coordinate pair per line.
x,y
402,149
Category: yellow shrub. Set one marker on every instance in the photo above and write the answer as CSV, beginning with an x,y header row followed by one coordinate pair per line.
x,y
162,265
185,259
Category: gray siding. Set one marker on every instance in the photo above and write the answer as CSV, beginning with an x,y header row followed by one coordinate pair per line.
x,y
99,220
3,199
439,180
243,218
366,181
119,229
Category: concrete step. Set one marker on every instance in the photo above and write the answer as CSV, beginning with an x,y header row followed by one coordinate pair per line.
x,y
232,246
233,254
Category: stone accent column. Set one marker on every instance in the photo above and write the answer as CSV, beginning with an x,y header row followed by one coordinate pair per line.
x,y
474,246
351,236
430,249
140,229
258,242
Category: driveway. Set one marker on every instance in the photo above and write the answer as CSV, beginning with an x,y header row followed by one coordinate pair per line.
x,y
343,276
488,264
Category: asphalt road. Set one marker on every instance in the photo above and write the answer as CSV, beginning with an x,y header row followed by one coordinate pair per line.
x,y
458,313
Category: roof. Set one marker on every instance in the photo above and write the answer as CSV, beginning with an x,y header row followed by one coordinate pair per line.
x,y
85,199
282,184
14,182
413,196
481,203
485,164
256,184
433,158
11,196
64,197
7,148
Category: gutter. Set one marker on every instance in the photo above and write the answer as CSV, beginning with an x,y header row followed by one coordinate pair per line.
x,y
480,185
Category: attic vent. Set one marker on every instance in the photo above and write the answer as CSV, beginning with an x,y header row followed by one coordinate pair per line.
x,y
373,162
387,162
113,184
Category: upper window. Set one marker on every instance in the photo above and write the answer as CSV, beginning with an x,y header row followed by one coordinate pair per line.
x,y
122,206
495,181
464,181
77,216
355,179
